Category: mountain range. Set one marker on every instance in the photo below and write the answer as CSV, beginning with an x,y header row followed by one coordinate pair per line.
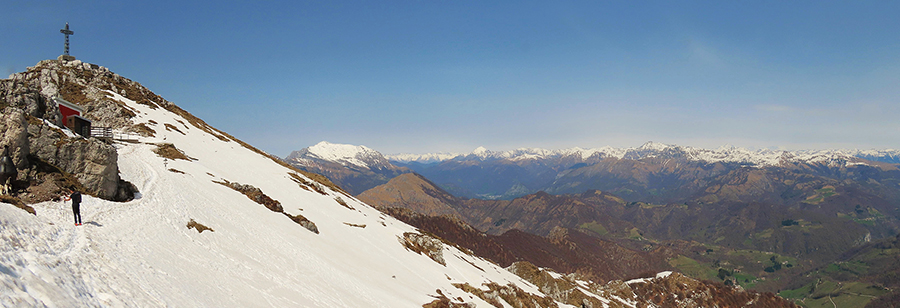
x,y
762,157
488,174
213,221
712,211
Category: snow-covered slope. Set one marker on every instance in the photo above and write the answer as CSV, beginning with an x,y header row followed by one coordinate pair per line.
x,y
728,154
141,253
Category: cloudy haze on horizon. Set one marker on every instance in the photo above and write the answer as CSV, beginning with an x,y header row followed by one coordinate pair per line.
x,y
428,76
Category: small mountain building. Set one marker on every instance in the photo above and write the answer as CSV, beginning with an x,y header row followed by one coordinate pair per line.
x,y
70,115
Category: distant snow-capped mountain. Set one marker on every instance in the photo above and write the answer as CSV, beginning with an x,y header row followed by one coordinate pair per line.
x,y
725,154
344,154
422,158
355,168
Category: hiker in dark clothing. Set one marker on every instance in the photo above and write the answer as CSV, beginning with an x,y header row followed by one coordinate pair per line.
x,y
76,206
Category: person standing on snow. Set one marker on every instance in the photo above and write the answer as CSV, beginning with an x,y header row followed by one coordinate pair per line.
x,y
76,206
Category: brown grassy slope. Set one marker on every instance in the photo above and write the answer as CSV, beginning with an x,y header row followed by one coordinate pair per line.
x,y
414,192
567,251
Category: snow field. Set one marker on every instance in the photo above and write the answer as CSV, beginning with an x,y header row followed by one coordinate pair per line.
x,y
141,254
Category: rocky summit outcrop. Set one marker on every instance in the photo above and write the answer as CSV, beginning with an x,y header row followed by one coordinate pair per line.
x,y
50,158
94,88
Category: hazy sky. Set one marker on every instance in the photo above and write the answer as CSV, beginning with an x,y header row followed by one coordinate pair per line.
x,y
449,76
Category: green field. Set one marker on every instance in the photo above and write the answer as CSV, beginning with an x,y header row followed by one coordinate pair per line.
x,y
829,293
594,227
693,268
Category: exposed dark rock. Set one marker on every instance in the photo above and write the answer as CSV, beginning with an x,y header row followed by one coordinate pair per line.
x,y
17,203
254,194
302,221
424,244
273,205
168,150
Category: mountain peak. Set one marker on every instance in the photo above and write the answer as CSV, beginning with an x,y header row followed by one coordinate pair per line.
x,y
353,167
481,151
342,152
650,145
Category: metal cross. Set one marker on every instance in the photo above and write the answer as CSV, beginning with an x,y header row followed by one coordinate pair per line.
x,y
67,32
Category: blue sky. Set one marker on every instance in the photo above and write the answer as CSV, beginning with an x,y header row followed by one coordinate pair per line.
x,y
449,76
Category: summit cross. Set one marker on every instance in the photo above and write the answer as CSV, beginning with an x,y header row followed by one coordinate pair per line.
x,y
67,32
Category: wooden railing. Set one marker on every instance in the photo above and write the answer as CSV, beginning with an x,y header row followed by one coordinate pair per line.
x,y
102,132
108,133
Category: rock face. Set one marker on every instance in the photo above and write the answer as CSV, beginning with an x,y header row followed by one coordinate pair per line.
x,y
93,162
424,244
15,135
31,127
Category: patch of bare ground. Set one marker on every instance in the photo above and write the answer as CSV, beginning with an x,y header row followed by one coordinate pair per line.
x,y
254,194
560,289
310,186
143,130
71,91
470,263
342,202
511,294
176,170
677,290
273,205
48,182
443,302
168,150
198,226
302,221
355,225
170,127
17,203
425,245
